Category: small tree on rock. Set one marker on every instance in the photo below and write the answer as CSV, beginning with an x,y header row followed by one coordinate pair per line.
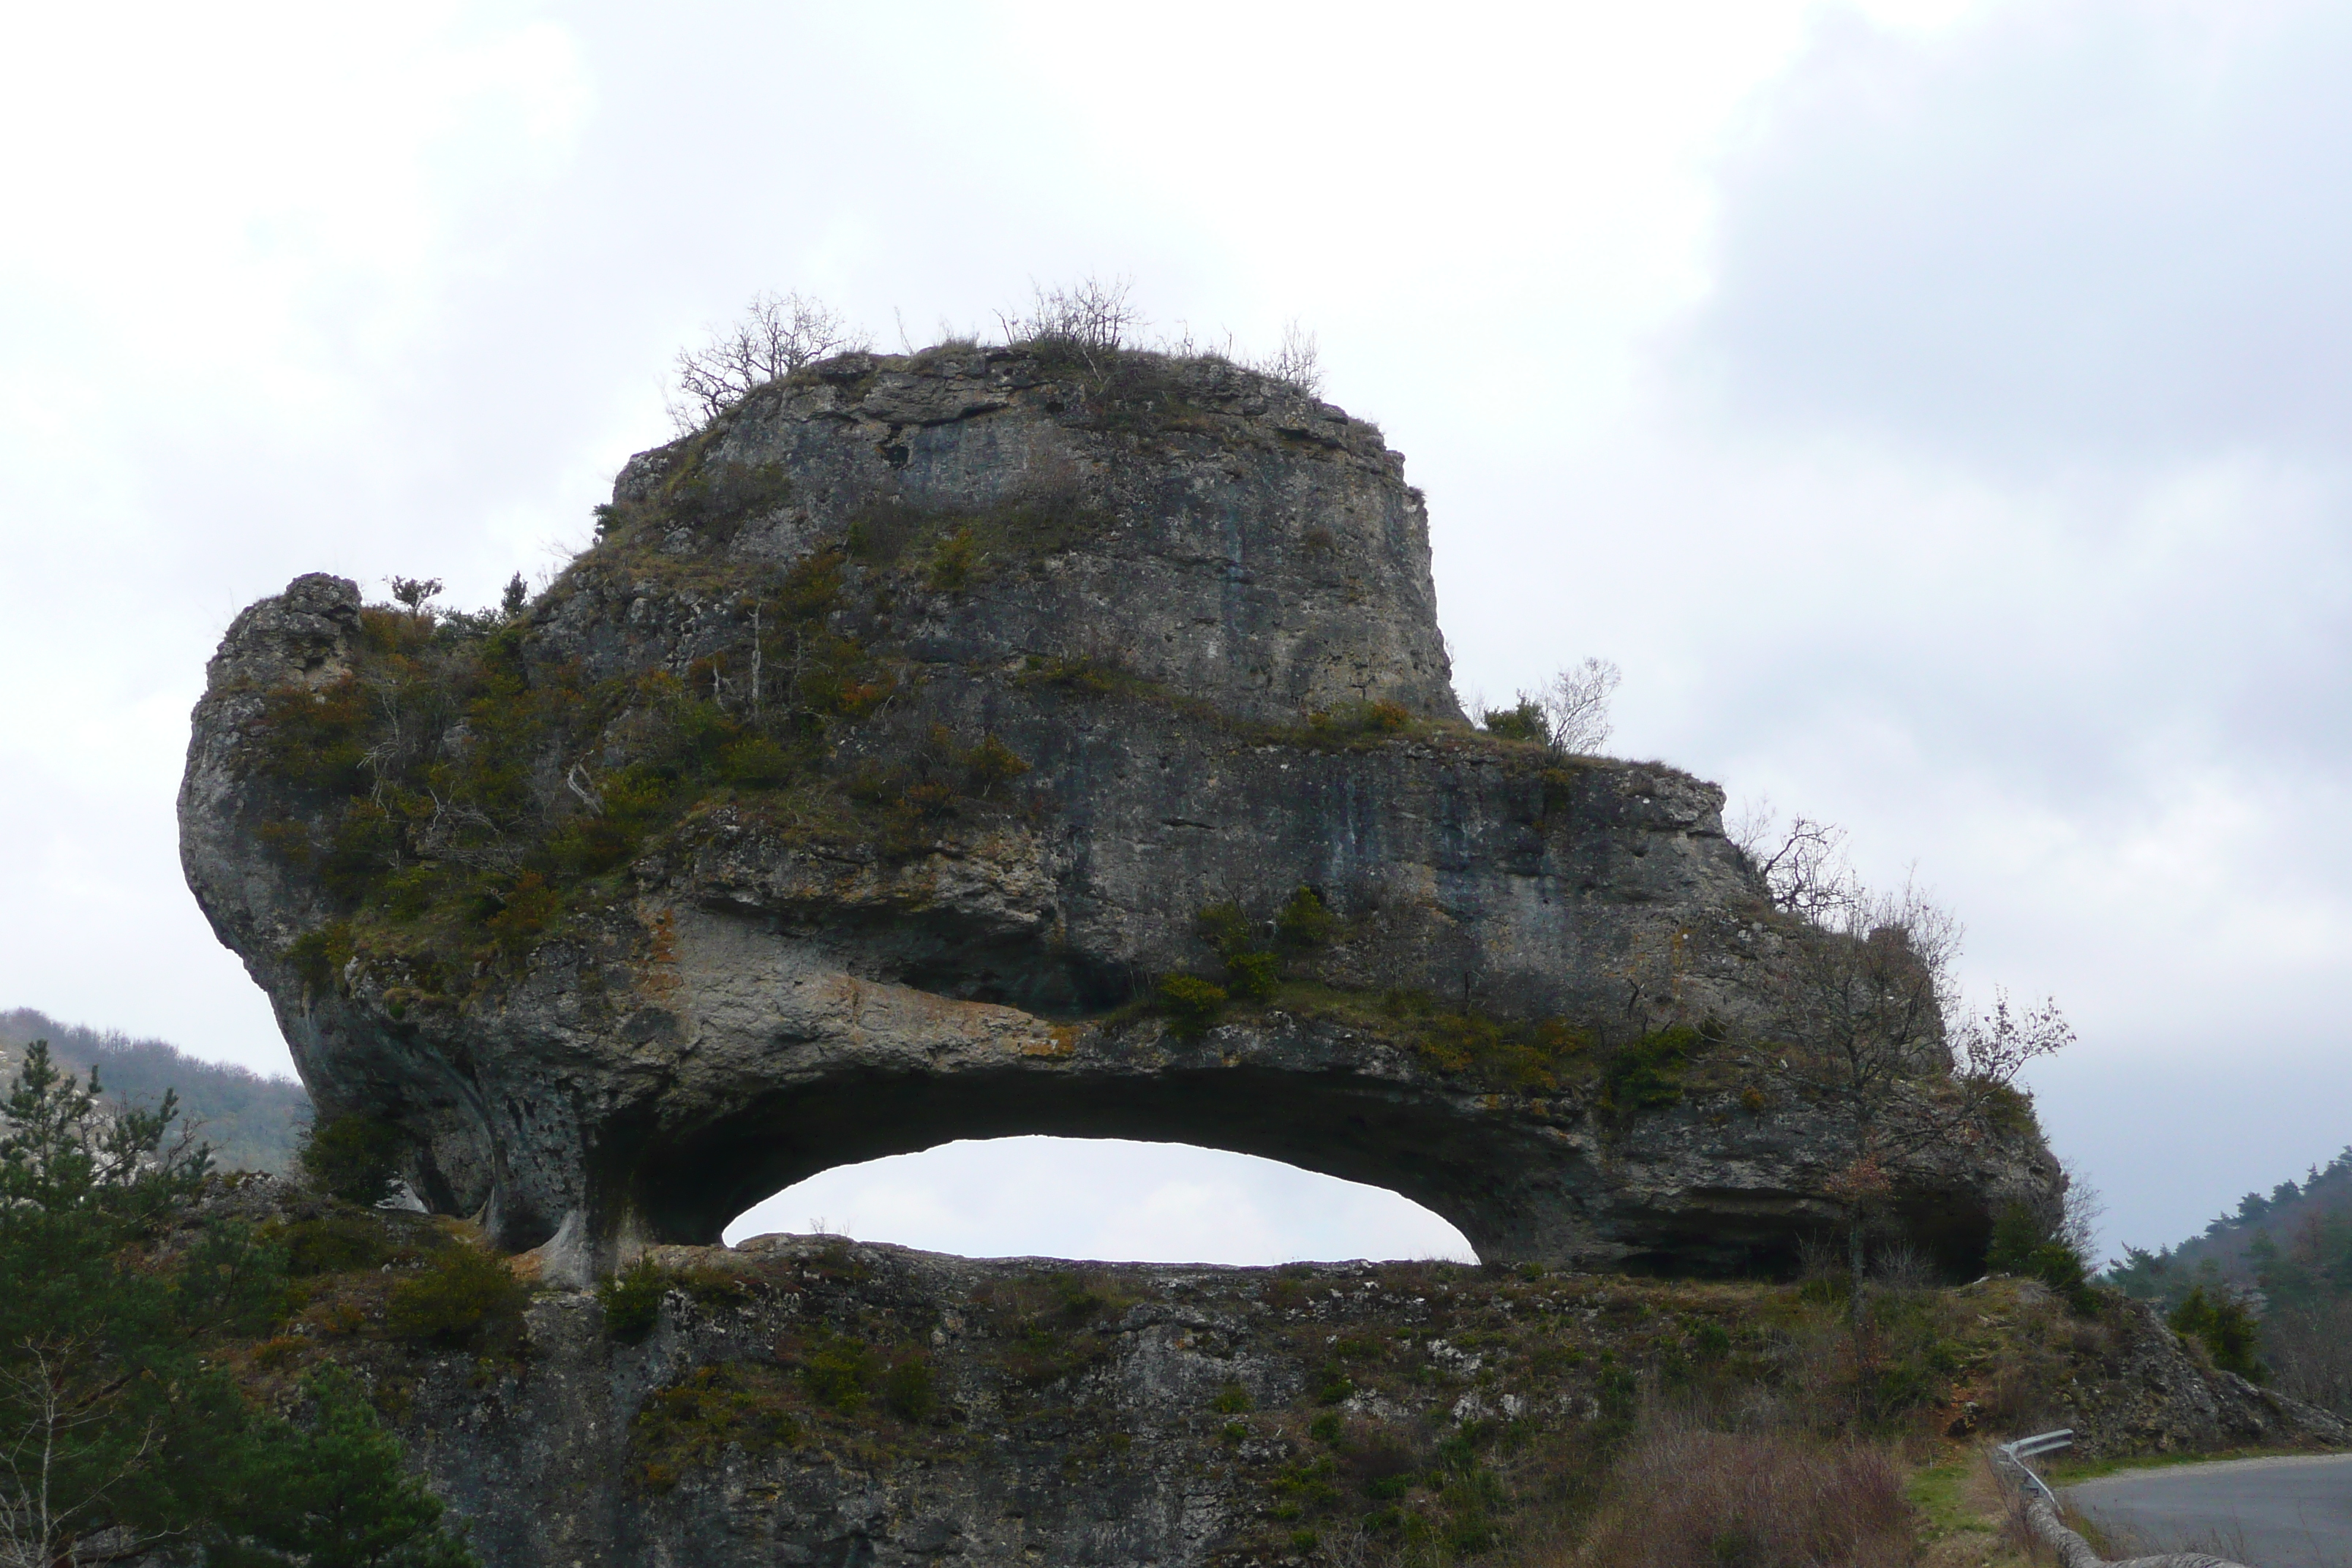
x,y
1868,1006
1569,715
777,335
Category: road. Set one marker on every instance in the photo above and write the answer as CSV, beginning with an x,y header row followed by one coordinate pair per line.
x,y
2266,1513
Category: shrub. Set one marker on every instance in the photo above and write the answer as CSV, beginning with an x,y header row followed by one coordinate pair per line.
x,y
954,563
1683,1498
1224,928
354,1158
1359,718
632,1299
333,1244
908,1388
1648,1073
524,913
1253,976
2224,1327
1231,1400
318,956
840,1374
1305,920
695,1421
1524,723
992,763
468,1296
2025,1245
1191,1004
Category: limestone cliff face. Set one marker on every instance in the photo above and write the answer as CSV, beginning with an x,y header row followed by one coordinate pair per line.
x,y
903,733
809,1400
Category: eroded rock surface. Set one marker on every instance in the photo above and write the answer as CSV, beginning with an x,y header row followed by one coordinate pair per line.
x,y
904,733
814,1400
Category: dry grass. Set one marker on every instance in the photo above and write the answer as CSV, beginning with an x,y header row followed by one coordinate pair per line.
x,y
1686,1498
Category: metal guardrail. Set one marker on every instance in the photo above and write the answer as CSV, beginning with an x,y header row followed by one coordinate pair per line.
x,y
2040,1511
2041,1443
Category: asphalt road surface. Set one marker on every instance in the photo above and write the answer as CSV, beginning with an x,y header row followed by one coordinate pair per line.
x,y
2266,1513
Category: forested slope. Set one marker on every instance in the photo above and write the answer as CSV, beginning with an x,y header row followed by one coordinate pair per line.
x,y
251,1122
2283,1264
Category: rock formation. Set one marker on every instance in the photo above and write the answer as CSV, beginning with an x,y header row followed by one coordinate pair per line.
x,y
995,741
812,1400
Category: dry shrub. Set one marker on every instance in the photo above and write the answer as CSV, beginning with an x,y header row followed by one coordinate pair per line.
x,y
2311,1349
1683,1497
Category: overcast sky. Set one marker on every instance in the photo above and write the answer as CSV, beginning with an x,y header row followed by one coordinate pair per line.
x,y
1939,411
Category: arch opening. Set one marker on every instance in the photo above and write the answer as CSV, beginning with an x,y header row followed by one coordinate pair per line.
x,y
1107,1199
689,1184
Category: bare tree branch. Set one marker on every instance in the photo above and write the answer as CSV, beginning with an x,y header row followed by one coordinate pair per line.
x,y
1298,362
1803,865
776,335
1576,706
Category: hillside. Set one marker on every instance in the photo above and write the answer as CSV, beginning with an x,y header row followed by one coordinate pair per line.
x,y
251,1122
2236,1248
2286,1261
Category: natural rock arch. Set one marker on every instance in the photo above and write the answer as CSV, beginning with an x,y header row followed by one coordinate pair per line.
x,y
902,731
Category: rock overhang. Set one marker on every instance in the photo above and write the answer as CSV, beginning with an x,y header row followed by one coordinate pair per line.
x,y
860,785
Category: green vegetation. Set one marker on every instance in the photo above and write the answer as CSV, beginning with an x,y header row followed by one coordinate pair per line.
x,y
2294,1246
465,1297
463,790
115,1300
2029,1245
1191,1005
694,1422
333,1243
842,1373
825,1384
250,1122
1526,722
2224,1327
631,1300
353,1158
1513,1055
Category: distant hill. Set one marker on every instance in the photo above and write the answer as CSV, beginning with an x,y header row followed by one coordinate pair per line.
x,y
251,1122
2301,1226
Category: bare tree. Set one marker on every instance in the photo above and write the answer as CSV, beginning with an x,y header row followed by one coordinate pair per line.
x,y
776,335
1570,716
1576,705
1094,319
2310,1347
1804,864
2083,1209
1864,1001
1299,362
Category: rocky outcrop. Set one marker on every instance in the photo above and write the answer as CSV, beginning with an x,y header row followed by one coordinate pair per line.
x,y
1001,742
2149,1392
809,1399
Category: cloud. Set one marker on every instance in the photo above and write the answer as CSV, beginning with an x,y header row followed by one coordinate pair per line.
x,y
2090,230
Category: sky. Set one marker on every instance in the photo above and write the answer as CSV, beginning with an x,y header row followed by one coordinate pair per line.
x,y
1939,411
